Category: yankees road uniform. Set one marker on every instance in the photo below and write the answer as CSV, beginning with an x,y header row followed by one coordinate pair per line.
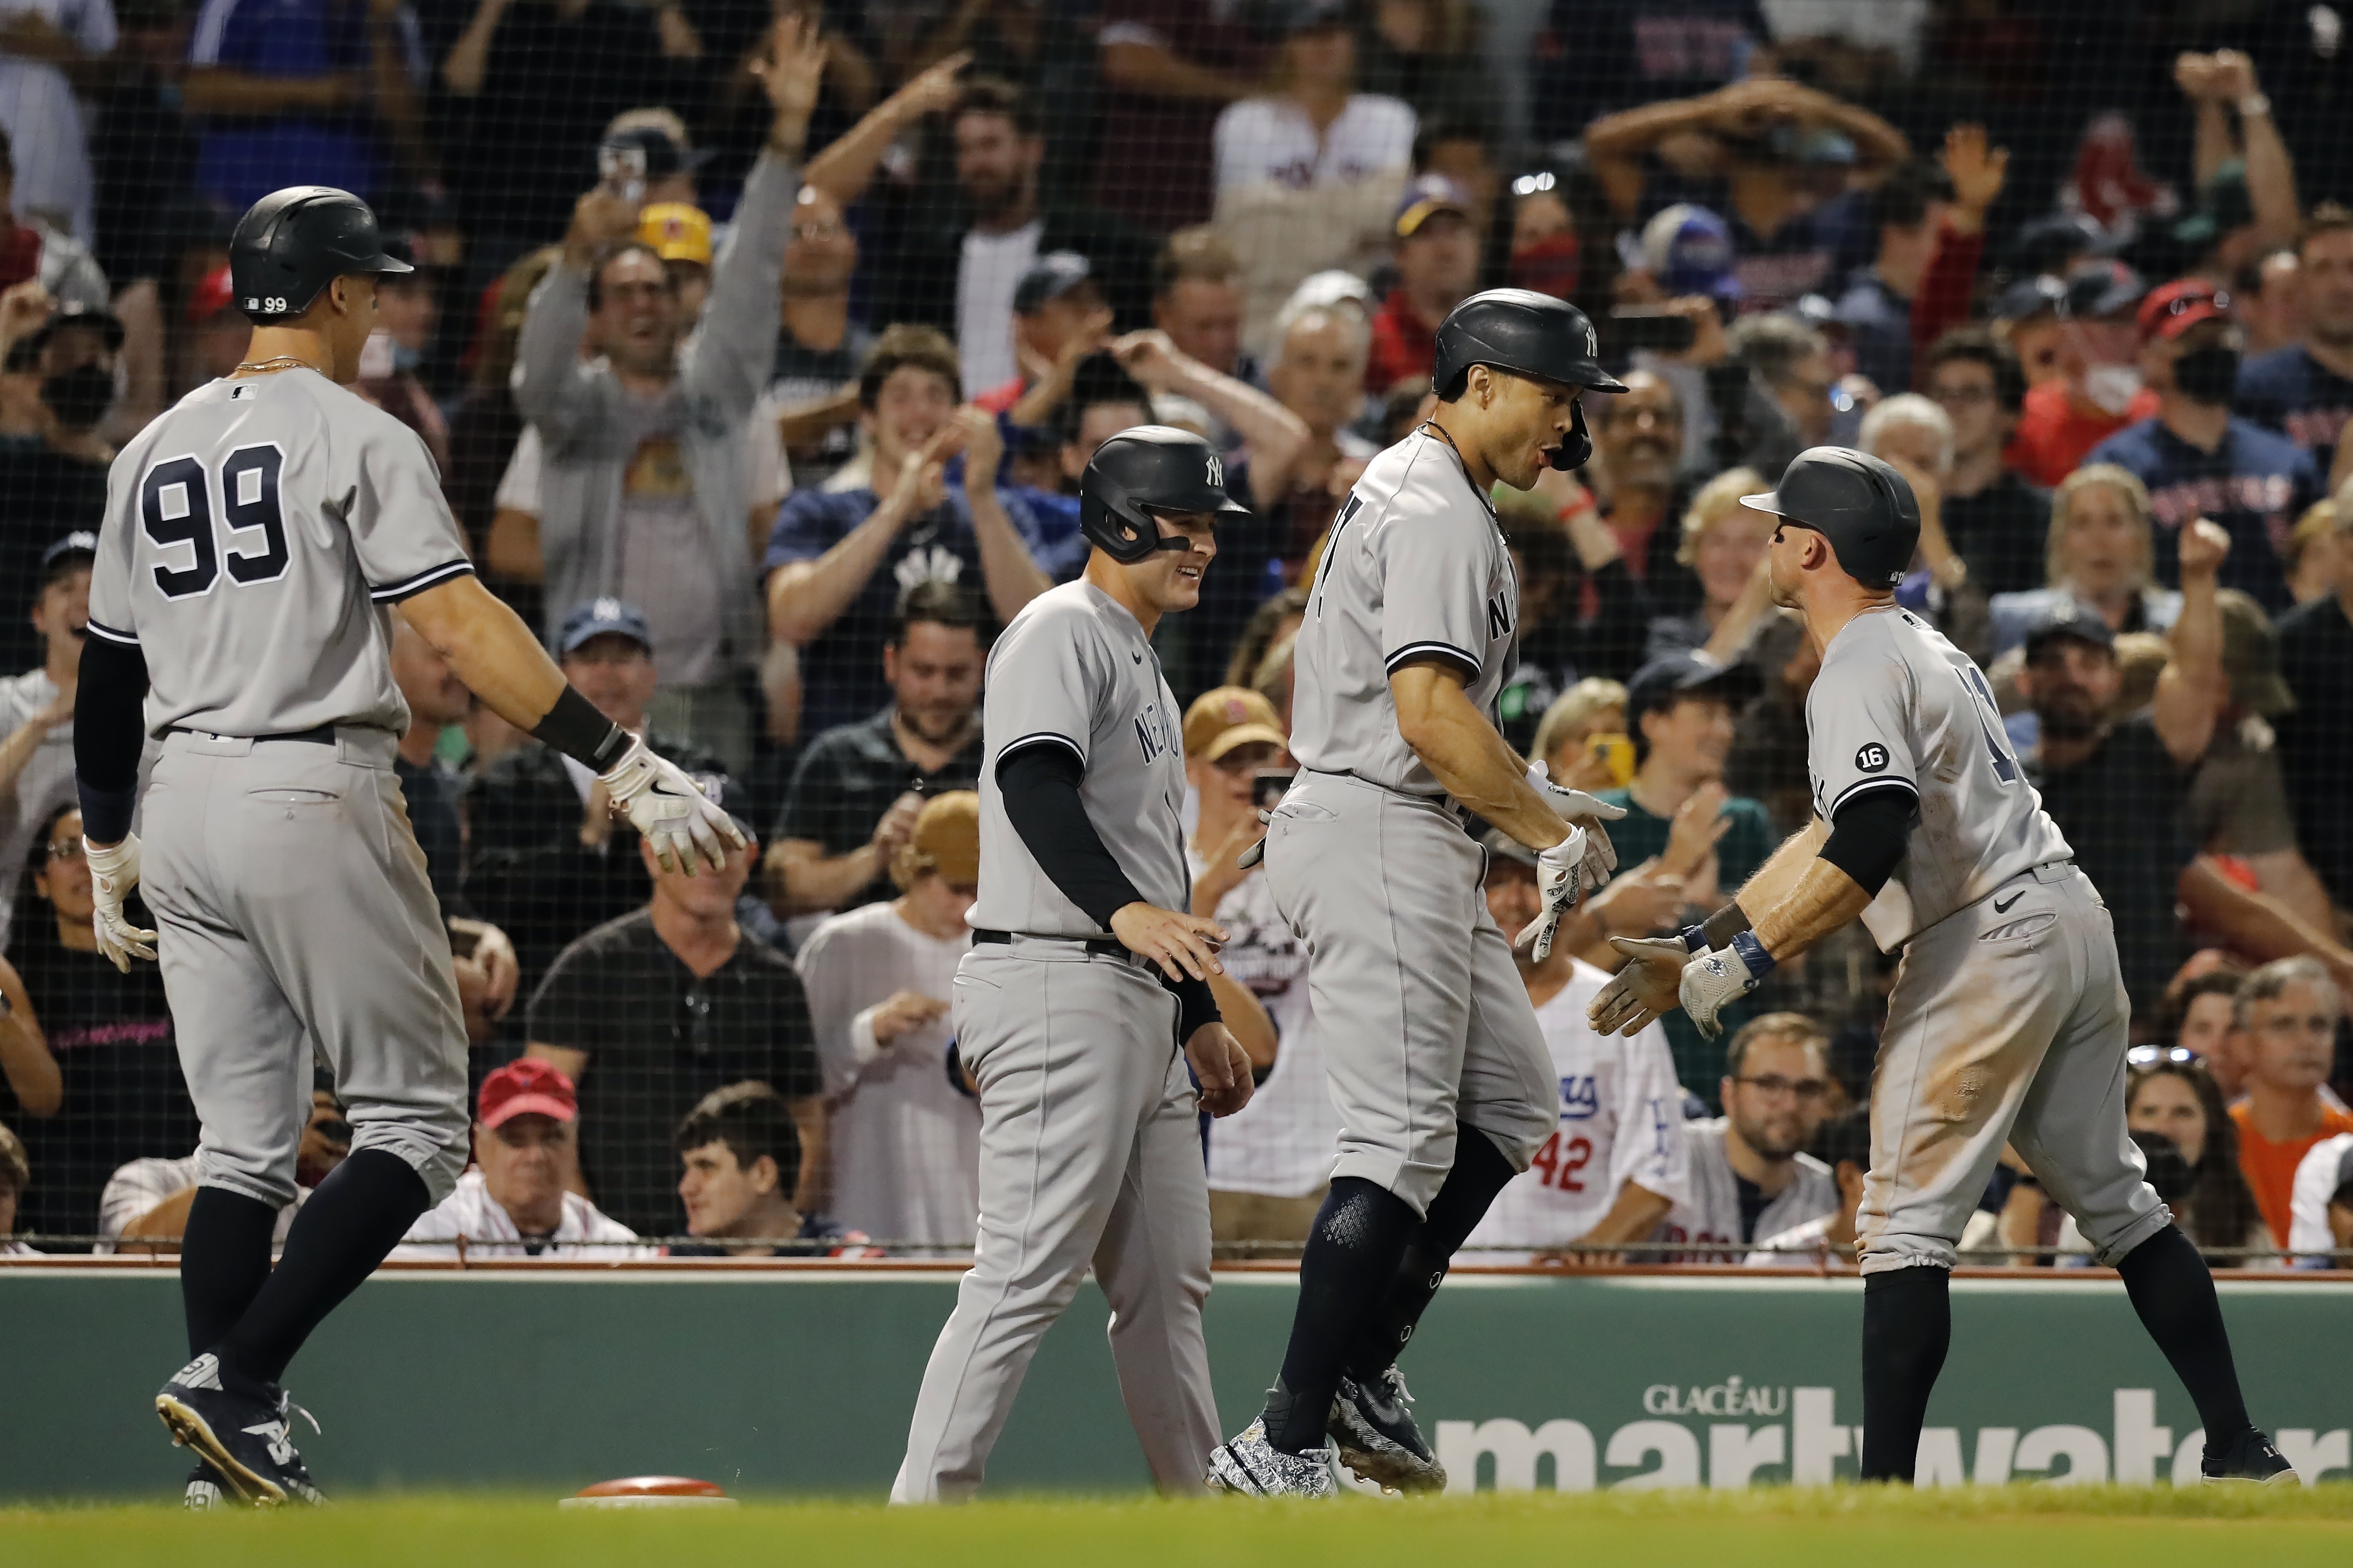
x,y
1622,1120
1088,1149
1425,1022
1282,1144
2009,1015
1710,1209
906,1134
256,537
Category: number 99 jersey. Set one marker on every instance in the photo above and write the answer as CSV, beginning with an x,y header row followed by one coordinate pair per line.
x,y
255,537
1896,707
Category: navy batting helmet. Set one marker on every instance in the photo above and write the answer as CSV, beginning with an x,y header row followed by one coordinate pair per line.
x,y
1863,506
292,243
1153,467
1530,334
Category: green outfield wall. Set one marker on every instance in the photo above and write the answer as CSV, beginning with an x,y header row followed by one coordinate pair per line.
x,y
800,1381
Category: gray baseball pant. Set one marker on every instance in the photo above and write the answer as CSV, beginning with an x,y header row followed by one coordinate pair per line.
x,y
2007,1025
293,915
1090,1151
1425,1023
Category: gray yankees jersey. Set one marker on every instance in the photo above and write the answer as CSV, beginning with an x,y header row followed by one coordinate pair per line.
x,y
1075,670
255,537
1413,569
1896,707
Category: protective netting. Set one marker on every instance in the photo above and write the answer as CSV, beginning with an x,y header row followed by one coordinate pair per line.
x,y
874,279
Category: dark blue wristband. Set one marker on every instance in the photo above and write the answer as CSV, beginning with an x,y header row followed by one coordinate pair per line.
x,y
1695,938
1751,953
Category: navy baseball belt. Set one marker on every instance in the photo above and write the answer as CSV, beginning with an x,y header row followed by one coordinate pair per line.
x,y
1096,947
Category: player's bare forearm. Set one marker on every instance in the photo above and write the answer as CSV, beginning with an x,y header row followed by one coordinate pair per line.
x,y
489,647
1825,899
1246,1019
1458,744
1633,1214
1775,879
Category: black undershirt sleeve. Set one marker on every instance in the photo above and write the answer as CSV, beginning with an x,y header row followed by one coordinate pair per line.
x,y
1869,836
109,728
1041,787
576,728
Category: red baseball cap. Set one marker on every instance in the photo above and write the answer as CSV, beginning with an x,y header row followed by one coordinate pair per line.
x,y
528,1087
209,298
2180,305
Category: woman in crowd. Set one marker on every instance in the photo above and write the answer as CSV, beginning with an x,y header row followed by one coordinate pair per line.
x,y
1276,620
1308,172
2102,556
110,1033
2177,1097
1724,546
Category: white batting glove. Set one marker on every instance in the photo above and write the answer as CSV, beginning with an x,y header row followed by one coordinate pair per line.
x,y
1714,979
113,872
670,811
1582,810
1560,872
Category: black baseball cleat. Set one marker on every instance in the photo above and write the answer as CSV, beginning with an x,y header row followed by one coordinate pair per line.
x,y
1378,1438
206,1491
2249,1456
246,1441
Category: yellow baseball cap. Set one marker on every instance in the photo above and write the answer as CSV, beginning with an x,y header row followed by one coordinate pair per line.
x,y
947,838
676,232
1229,716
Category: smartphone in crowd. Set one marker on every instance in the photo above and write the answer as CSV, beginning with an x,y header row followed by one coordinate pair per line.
x,y
623,172
1615,753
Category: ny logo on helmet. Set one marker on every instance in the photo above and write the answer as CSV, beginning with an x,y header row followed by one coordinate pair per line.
x,y
1216,470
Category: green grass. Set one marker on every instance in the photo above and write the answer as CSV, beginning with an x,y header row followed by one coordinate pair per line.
x,y
1869,1528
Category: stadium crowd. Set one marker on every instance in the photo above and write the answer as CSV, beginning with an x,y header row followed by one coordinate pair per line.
x,y
762,346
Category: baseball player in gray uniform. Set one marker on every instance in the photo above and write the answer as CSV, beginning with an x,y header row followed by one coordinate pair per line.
x,y
2008,1021
256,539
1086,991
1443,1084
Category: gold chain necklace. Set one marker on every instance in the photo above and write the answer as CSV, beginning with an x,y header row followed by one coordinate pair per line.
x,y
274,363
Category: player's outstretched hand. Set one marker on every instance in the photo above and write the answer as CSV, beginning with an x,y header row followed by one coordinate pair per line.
x,y
1588,812
1222,1067
1561,870
1183,946
113,872
1713,980
1644,991
670,811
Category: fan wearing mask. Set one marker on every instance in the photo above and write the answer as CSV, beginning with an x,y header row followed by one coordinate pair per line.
x,y
54,476
2195,456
